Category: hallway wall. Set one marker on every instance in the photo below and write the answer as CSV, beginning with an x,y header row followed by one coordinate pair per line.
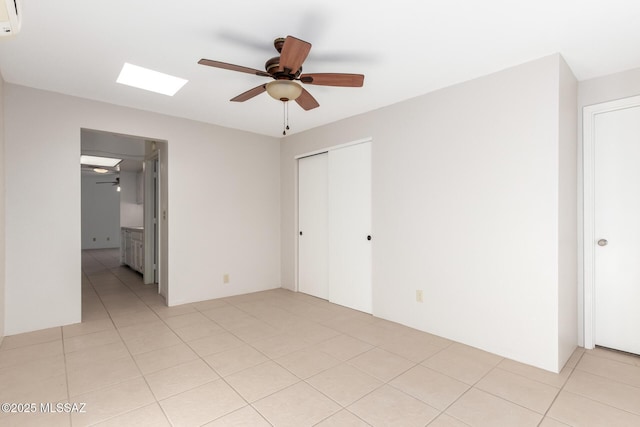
x,y
223,215
131,212
100,213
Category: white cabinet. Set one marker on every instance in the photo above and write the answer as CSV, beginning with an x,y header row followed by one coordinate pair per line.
x,y
132,248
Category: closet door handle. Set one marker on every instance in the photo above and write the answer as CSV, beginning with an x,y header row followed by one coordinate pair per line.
x,y
369,237
301,233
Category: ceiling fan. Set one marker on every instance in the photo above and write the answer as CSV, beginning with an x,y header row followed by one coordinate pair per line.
x,y
100,169
286,68
114,183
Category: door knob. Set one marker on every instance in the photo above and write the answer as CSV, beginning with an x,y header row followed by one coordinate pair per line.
x,y
368,237
301,233
603,242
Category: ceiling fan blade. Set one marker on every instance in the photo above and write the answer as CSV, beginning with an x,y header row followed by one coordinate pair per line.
x,y
250,93
294,52
333,79
244,40
306,101
115,182
232,67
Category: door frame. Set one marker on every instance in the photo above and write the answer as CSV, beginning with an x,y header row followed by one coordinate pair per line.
x,y
589,115
151,240
296,222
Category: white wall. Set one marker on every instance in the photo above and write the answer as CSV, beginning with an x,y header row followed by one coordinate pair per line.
x,y
2,213
131,213
595,91
100,213
465,207
608,88
110,144
567,215
223,205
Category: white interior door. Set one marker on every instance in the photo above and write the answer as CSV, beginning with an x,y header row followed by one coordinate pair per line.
x,y
350,226
617,229
313,226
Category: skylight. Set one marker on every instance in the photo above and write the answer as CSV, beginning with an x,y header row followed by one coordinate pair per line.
x,y
99,161
154,81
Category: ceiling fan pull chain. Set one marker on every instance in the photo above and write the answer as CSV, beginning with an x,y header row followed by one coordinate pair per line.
x,y
284,118
287,106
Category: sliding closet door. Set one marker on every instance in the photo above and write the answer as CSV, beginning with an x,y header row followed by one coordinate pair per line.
x,y
313,230
350,227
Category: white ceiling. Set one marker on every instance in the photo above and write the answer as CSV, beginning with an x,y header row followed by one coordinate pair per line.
x,y
405,48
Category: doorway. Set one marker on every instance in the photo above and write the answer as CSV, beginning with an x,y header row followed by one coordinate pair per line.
x,y
611,226
140,179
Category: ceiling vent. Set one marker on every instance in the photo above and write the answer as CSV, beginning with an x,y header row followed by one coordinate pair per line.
x,y
10,17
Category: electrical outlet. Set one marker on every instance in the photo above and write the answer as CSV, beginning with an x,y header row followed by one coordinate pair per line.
x,y
225,278
419,295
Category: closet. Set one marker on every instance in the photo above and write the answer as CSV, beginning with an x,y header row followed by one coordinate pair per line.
x,y
334,221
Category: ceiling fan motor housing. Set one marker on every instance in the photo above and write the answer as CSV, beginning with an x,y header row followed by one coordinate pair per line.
x,y
272,66
278,43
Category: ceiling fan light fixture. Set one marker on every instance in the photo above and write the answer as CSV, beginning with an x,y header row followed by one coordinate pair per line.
x,y
100,170
284,90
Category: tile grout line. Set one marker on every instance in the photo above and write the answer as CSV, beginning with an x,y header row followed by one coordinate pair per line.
x,y
609,378
575,368
270,359
201,358
560,391
387,383
128,351
66,370
471,387
527,378
344,362
441,412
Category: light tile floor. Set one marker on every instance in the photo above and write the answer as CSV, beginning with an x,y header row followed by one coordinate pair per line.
x,y
286,359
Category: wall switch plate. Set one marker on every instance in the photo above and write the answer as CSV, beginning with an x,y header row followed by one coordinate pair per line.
x,y
225,278
419,295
